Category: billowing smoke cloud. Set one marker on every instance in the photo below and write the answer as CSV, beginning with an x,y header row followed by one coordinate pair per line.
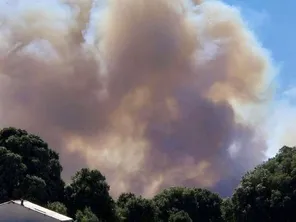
x,y
153,98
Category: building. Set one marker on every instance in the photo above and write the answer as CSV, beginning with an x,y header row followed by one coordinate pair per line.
x,y
25,211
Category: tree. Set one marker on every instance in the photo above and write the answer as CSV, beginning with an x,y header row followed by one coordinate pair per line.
x,y
132,208
12,174
90,189
86,216
124,198
268,193
227,210
28,168
200,204
180,216
33,188
57,207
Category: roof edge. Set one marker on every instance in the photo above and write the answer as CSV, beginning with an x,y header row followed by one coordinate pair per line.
x,y
36,211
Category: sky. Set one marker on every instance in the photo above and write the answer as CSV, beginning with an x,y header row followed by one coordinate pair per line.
x,y
272,23
73,128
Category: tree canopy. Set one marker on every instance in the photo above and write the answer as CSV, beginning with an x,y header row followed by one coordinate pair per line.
x,y
29,169
86,216
58,207
133,208
90,189
200,204
180,216
268,193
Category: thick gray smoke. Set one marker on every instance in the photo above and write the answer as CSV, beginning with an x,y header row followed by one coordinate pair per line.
x,y
156,99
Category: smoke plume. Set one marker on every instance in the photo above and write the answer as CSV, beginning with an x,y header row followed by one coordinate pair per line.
x,y
150,92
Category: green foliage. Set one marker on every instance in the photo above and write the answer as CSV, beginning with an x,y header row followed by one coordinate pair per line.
x,y
33,188
268,193
31,170
90,189
227,210
86,216
124,198
200,204
57,207
132,208
28,168
180,216
12,174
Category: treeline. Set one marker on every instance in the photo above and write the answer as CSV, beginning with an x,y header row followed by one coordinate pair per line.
x,y
29,169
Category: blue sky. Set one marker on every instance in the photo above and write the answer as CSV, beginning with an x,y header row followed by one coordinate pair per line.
x,y
273,24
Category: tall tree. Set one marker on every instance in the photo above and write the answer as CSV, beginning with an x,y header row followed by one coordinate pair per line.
x,y
268,193
28,168
90,189
200,204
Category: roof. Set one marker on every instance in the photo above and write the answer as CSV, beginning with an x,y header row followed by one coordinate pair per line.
x,y
38,209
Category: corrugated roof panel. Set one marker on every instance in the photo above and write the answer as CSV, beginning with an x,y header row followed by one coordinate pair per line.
x,y
42,210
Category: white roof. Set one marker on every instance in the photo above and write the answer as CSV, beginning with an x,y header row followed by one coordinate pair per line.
x,y
38,209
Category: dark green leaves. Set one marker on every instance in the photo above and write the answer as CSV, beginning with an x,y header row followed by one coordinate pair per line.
x,y
90,189
269,190
57,207
86,216
200,204
132,208
180,216
28,168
